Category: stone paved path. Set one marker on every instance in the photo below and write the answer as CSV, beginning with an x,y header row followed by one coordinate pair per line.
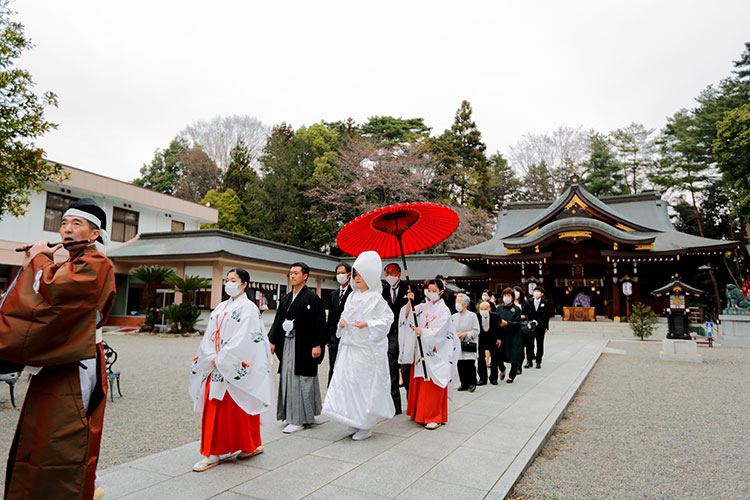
x,y
491,437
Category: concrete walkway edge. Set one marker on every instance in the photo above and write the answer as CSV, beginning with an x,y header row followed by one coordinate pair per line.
x,y
534,445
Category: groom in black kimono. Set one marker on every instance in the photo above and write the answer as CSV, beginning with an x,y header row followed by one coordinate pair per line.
x,y
297,336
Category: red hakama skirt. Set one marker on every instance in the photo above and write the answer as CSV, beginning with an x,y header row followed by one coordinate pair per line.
x,y
226,428
427,402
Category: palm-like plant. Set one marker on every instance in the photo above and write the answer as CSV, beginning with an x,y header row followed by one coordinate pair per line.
x,y
152,276
185,314
187,286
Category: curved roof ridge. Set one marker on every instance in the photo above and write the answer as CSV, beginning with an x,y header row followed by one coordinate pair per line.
x,y
573,189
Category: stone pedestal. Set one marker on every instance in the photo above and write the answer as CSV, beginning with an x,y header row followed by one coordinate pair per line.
x,y
734,330
680,350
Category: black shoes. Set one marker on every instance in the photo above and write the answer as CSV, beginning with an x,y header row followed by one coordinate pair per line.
x,y
472,388
509,381
462,388
482,382
538,364
502,376
493,382
527,365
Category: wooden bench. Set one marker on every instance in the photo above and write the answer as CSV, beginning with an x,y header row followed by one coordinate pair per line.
x,y
110,356
703,339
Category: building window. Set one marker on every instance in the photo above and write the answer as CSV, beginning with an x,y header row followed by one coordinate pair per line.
x,y
178,226
124,224
57,204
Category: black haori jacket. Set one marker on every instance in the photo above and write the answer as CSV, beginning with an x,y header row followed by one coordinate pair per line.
x,y
309,330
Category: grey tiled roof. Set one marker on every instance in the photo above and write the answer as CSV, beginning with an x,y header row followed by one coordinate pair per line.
x,y
216,243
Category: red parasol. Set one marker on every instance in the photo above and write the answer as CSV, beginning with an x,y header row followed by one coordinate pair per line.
x,y
399,230
417,225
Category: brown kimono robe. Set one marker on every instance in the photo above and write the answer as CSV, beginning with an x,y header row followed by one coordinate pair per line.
x,y
49,319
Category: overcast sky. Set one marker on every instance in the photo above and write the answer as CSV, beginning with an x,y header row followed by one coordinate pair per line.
x,y
130,75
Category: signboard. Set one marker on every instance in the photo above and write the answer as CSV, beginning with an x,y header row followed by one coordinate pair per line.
x,y
710,328
627,288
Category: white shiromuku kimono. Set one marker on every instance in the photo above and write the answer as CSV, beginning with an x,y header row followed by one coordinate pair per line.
x,y
236,340
442,347
360,390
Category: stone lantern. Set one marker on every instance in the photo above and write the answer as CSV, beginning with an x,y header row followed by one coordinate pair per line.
x,y
678,311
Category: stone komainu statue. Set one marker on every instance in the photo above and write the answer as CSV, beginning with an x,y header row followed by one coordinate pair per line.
x,y
735,299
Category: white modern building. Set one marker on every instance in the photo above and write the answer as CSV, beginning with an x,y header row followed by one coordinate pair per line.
x,y
130,209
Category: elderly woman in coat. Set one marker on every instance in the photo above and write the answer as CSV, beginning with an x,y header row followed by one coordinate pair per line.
x,y
467,329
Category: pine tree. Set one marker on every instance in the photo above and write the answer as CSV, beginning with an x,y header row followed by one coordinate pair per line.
x,y
602,170
461,154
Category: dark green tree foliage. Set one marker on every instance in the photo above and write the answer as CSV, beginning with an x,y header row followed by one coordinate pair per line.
x,y
504,182
199,175
166,169
732,150
635,149
542,183
21,122
461,155
387,130
602,170
289,164
232,215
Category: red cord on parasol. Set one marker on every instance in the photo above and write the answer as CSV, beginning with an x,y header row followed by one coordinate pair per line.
x,y
419,226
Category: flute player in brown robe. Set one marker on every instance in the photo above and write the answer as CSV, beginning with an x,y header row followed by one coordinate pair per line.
x,y
48,321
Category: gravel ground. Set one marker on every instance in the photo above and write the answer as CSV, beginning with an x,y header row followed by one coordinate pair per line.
x,y
641,428
155,413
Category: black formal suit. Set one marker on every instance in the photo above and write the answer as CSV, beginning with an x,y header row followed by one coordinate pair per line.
x,y
488,342
338,300
396,299
309,330
539,314
450,300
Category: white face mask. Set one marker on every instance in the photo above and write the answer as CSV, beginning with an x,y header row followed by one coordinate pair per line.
x,y
537,295
392,280
517,294
232,289
342,278
507,300
433,296
484,313
485,298
460,306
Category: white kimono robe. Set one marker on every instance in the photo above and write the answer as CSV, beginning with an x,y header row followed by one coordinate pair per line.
x,y
442,347
236,340
360,390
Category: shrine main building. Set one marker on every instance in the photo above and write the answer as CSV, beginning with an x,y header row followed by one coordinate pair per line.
x,y
581,243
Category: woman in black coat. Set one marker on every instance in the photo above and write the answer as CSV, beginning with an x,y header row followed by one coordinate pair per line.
x,y
511,345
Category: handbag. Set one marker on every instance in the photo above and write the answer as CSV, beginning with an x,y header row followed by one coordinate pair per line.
x,y
528,328
468,346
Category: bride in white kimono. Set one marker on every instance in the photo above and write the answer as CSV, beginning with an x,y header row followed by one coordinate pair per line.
x,y
360,390
231,380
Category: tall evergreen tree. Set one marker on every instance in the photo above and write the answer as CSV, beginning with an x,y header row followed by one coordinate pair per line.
x,y
461,154
603,173
504,182
635,148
